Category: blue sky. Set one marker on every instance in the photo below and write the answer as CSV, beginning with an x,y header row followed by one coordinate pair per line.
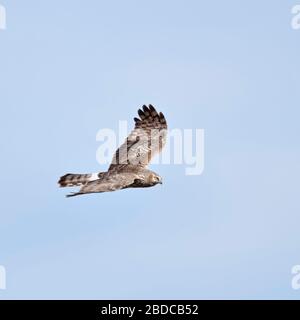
x,y
70,68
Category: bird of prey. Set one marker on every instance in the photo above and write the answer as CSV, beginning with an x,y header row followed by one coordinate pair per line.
x,y
128,168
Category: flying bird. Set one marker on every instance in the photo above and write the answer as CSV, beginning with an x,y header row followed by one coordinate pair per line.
x,y
128,168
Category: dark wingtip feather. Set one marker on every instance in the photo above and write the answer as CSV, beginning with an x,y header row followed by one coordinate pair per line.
x,y
145,108
148,115
153,111
73,194
141,114
147,111
151,107
162,117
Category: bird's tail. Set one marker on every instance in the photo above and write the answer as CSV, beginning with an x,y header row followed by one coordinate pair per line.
x,y
73,180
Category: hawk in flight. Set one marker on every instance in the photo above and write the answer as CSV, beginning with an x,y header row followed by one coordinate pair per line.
x,y
129,164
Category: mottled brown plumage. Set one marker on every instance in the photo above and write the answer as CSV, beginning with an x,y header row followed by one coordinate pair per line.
x,y
128,168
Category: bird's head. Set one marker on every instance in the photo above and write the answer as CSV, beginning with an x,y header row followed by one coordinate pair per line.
x,y
155,179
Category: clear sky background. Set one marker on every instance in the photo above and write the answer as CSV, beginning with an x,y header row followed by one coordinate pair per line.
x,y
69,68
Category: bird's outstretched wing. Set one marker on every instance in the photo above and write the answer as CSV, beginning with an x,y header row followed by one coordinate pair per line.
x,y
111,181
147,139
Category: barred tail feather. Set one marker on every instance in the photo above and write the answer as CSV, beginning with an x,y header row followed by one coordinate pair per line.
x,y
74,180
